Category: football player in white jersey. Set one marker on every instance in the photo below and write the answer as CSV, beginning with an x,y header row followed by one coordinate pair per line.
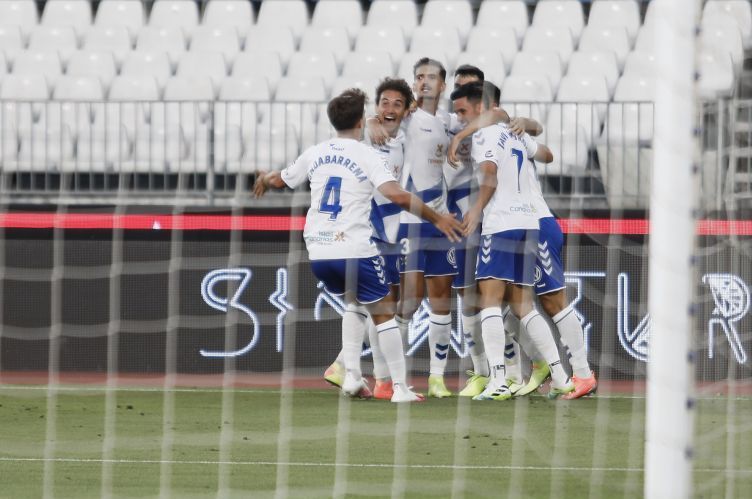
x,y
393,99
506,260
343,173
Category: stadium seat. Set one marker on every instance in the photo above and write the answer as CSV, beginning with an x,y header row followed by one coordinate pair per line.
x,y
498,14
613,13
175,14
591,64
216,39
393,14
367,83
115,39
645,41
271,38
199,64
152,64
273,147
485,38
335,40
296,103
491,62
738,10
613,39
569,143
527,96
339,13
428,40
45,64
128,118
62,40
539,38
301,89
723,37
11,41
237,14
368,65
248,64
121,13
547,64
716,70
100,65
20,13
313,65
24,121
3,65
75,14
388,39
449,13
640,64
168,40
560,14
292,14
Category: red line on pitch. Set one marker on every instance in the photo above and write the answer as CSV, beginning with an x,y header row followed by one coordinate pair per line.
x,y
109,221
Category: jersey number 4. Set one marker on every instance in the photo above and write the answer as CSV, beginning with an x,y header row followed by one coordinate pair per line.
x,y
330,198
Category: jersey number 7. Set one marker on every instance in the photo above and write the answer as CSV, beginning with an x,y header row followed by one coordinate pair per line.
x,y
518,154
330,198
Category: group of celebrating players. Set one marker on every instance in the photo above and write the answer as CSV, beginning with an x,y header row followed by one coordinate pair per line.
x,y
426,201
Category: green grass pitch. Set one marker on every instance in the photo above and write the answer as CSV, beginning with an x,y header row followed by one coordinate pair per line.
x,y
253,443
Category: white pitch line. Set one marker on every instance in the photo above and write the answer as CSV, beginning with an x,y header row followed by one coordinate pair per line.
x,y
353,465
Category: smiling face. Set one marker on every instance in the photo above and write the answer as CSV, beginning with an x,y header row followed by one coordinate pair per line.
x,y
466,110
391,108
428,83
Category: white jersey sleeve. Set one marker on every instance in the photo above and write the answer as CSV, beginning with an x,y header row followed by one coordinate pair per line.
x,y
297,172
530,145
485,145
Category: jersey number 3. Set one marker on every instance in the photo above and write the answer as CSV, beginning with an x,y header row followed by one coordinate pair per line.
x,y
330,198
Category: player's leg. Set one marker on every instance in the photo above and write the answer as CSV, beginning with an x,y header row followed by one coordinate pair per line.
x,y
439,289
383,388
539,370
478,377
512,354
492,292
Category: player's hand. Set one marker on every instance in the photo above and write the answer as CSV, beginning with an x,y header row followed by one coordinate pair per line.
x,y
471,221
517,125
452,152
259,188
377,132
450,226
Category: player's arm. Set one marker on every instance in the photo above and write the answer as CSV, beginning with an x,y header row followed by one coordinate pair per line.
x,y
518,126
543,154
446,223
376,131
487,188
486,118
267,180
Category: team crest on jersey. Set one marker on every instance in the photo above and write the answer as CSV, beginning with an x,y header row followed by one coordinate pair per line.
x,y
439,150
538,274
464,149
339,237
452,256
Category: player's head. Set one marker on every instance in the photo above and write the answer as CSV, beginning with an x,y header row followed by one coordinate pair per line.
x,y
393,99
429,78
467,73
471,99
346,111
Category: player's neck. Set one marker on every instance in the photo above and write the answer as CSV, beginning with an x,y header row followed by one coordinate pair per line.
x,y
428,105
354,134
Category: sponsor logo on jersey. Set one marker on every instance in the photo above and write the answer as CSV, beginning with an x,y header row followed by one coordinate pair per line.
x,y
339,237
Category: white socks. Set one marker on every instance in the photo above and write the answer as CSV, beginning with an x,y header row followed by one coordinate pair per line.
x,y
492,327
353,332
390,343
380,369
512,359
572,336
439,333
540,335
474,339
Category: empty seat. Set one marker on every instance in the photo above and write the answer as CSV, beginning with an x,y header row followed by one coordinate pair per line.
x,y
590,64
296,103
338,13
449,13
273,147
366,83
534,64
228,13
249,64
139,64
716,70
738,10
198,64
569,143
429,39
20,13
723,37
169,40
271,38
334,40
115,39
560,14
499,14
491,62
174,14
100,65
73,13
216,39
62,40
368,64
121,13
24,122
3,65
292,14
527,96
11,41
313,65
128,118
603,38
388,39
645,41
245,88
614,13
487,38
45,64
641,64
538,38
393,13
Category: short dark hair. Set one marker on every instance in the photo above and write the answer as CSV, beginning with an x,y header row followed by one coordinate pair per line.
x,y
470,70
427,61
345,110
398,85
476,91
